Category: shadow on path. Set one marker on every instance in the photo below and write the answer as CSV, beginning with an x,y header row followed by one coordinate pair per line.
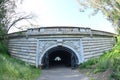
x,y
61,73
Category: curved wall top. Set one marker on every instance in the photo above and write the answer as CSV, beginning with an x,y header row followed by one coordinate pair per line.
x,y
42,31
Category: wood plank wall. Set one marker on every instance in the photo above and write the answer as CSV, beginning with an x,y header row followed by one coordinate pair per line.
x,y
95,46
23,49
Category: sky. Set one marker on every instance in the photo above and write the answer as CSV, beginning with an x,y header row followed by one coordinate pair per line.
x,y
62,13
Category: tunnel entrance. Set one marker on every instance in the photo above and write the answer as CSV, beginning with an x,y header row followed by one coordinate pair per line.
x,y
59,56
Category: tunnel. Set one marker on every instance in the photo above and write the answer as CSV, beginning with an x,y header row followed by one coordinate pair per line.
x,y
59,56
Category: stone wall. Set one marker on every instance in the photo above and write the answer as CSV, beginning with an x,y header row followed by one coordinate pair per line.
x,y
31,45
95,46
23,49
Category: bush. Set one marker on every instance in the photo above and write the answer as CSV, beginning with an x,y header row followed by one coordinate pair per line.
x,y
116,69
13,69
3,48
88,63
110,59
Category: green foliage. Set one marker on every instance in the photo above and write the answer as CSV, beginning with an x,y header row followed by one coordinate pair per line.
x,y
116,69
13,69
110,8
109,60
3,47
103,63
88,63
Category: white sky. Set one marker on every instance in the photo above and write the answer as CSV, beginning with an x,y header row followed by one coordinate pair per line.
x,y
62,13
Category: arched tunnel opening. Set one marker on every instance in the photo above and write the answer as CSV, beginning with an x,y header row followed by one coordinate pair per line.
x,y
59,56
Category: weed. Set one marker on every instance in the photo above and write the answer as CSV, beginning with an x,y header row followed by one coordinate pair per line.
x,y
13,69
110,59
88,63
92,79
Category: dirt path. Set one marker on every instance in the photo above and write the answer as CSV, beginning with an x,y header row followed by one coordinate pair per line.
x,y
61,73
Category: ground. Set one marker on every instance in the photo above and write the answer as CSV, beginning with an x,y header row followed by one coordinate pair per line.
x,y
96,76
65,73
62,73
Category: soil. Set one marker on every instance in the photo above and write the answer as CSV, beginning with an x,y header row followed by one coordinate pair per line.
x,y
96,76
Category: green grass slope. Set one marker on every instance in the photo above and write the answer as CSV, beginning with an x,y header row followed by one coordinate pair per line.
x,y
109,60
13,69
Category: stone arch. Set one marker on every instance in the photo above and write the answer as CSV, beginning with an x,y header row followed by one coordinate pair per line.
x,y
61,47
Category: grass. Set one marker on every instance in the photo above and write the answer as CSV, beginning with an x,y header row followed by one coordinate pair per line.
x,y
109,60
13,69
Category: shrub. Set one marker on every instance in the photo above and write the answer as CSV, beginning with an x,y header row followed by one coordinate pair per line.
x,y
13,69
88,63
116,69
110,59
3,48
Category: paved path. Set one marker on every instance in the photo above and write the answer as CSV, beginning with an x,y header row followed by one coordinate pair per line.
x,y
62,73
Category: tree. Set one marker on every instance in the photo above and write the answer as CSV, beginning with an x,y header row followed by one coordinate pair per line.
x,y
8,16
15,18
110,8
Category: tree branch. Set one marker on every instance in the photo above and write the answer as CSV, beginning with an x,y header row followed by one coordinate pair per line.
x,y
17,20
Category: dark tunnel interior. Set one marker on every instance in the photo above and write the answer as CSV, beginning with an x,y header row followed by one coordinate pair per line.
x,y
60,58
